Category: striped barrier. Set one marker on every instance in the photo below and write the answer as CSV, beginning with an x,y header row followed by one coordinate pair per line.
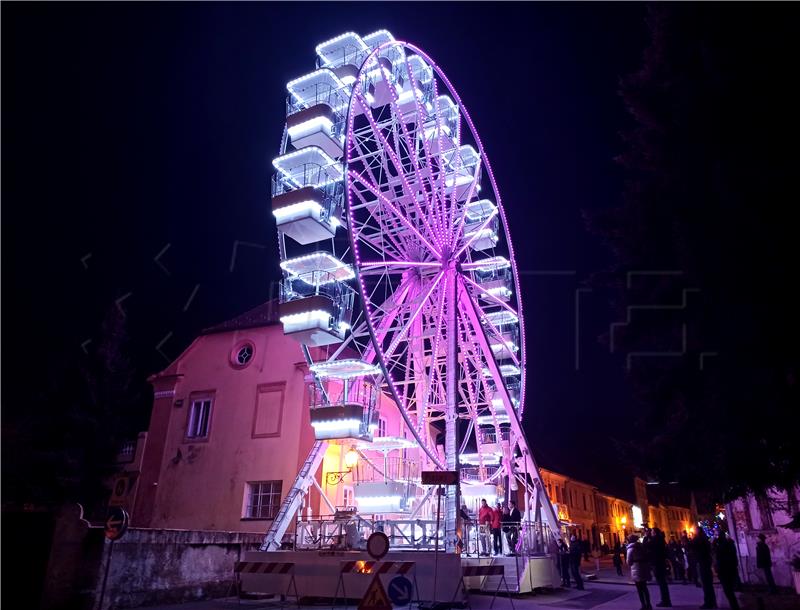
x,y
275,568
262,567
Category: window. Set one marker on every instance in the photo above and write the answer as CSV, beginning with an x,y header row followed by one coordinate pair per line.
x,y
382,426
765,513
242,354
584,503
263,499
347,496
199,417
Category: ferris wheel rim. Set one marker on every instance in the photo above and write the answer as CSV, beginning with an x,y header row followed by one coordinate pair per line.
x,y
365,298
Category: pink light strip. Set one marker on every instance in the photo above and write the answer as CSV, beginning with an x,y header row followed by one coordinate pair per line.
x,y
401,263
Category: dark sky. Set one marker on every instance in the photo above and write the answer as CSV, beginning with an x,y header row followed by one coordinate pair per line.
x,y
128,129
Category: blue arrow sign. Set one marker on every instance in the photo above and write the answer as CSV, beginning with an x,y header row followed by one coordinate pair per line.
x,y
400,591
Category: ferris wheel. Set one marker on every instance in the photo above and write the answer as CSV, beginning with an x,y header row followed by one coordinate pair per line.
x,y
399,271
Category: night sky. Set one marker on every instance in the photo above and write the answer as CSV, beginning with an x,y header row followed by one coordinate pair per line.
x,y
132,129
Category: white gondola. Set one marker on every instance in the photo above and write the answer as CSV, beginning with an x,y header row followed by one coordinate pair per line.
x,y
494,276
441,134
347,409
315,111
461,170
306,195
388,485
316,304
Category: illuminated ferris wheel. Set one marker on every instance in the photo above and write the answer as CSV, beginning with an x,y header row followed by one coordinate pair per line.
x,y
399,274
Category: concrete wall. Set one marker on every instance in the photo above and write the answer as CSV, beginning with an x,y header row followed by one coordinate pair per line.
x,y
152,566
145,567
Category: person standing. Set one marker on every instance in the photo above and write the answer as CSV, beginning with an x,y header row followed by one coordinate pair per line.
x,y
497,519
485,522
466,523
636,557
514,518
727,567
616,558
691,560
676,559
575,552
658,557
764,562
563,563
702,553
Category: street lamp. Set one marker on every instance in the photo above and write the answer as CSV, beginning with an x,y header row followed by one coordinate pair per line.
x,y
350,460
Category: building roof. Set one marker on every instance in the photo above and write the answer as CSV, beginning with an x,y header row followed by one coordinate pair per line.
x,y
265,314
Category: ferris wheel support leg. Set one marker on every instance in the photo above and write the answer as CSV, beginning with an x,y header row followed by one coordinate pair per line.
x,y
451,442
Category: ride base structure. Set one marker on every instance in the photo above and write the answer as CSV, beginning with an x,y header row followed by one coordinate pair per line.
x,y
400,282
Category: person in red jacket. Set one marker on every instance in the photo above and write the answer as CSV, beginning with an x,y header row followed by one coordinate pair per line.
x,y
485,521
497,517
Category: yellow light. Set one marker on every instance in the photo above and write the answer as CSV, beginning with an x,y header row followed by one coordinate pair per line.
x,y
351,458
624,520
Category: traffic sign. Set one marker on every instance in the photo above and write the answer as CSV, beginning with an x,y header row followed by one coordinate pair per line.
x,y
377,545
375,598
117,523
439,477
400,591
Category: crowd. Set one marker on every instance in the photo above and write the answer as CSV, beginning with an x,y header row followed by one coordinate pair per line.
x,y
688,560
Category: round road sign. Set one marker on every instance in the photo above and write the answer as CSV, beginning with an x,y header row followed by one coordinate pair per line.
x,y
116,524
377,545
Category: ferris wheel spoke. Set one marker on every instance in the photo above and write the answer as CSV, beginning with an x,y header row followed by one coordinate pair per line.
x,y
380,234
393,156
399,336
388,204
441,193
458,228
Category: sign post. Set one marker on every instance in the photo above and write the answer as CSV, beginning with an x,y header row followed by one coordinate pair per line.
x,y
115,528
439,478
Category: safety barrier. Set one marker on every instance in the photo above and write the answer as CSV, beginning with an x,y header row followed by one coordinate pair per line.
x,y
262,568
374,569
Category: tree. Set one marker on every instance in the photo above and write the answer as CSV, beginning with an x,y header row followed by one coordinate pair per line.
x,y
63,447
711,195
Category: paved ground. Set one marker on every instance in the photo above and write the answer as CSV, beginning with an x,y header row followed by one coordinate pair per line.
x,y
604,590
599,596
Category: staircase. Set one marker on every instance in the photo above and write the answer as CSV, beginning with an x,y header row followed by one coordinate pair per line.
x,y
293,499
511,566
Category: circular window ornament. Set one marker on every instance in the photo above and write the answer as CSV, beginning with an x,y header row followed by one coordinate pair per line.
x,y
242,354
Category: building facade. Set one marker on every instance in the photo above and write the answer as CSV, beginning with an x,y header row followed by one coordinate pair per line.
x,y
229,431
776,516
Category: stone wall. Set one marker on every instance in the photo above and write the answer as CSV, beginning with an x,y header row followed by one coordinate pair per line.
x,y
145,567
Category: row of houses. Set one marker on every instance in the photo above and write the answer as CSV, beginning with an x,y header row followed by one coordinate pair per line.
x,y
605,520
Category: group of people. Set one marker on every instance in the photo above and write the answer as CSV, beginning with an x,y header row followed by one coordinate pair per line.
x,y
493,523
691,557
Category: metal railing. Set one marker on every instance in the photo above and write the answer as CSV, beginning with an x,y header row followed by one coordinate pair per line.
x,y
351,534
386,469
306,174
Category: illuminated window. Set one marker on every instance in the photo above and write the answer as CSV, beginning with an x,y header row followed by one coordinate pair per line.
x,y
347,496
199,418
263,499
